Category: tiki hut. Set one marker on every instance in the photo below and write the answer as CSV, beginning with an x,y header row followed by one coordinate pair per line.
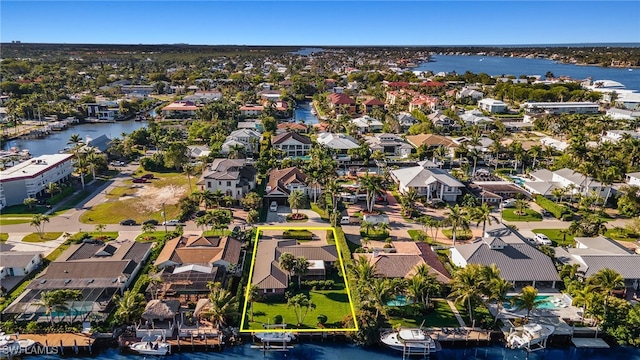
x,y
201,307
161,310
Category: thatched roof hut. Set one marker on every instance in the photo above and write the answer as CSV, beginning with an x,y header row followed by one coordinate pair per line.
x,y
161,309
201,306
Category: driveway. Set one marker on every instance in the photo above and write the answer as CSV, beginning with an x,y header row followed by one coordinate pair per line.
x,y
280,217
15,240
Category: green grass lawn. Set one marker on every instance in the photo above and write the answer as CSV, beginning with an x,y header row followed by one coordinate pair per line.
x,y
555,236
22,211
323,214
107,235
4,237
332,303
531,215
440,316
480,314
223,232
460,234
151,236
621,234
46,236
14,221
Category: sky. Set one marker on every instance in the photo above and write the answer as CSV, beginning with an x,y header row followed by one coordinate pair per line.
x,y
321,22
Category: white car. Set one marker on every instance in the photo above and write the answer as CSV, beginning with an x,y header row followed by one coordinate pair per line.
x,y
509,203
542,239
345,220
274,206
172,222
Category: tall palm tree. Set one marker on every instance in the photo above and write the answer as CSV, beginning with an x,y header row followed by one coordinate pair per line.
x,y
100,228
38,221
373,185
378,294
482,215
585,298
30,202
53,188
457,219
363,270
287,262
53,301
301,306
466,287
93,160
296,200
253,295
81,165
367,226
498,288
521,207
606,280
300,268
76,141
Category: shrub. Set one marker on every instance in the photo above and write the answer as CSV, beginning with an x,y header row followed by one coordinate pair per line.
x,y
557,210
322,319
319,284
277,319
297,234
460,234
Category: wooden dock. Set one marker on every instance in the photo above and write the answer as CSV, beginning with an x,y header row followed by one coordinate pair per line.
x,y
591,343
461,336
66,343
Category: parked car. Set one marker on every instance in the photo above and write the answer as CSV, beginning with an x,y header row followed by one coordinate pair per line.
x,y
128,222
509,203
139,180
148,176
150,221
345,220
274,206
173,222
235,231
546,213
542,239
199,213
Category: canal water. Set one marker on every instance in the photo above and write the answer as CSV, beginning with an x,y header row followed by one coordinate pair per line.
x,y
335,351
57,141
303,113
497,65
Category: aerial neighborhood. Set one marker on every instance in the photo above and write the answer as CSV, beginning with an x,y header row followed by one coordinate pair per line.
x,y
338,190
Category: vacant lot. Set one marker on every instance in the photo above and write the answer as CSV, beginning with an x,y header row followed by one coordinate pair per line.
x,y
140,201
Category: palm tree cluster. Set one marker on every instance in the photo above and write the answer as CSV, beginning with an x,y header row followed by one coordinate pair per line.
x,y
57,301
475,284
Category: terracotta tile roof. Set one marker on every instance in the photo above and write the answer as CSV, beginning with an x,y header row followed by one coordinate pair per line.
x,y
373,102
398,84
432,84
196,250
340,99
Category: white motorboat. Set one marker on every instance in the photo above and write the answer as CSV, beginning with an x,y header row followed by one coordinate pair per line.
x,y
25,345
525,336
151,345
275,336
410,341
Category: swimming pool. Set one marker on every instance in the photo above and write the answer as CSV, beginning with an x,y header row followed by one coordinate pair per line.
x,y
400,300
545,302
518,180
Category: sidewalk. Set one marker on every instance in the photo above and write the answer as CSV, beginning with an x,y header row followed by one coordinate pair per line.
x,y
456,313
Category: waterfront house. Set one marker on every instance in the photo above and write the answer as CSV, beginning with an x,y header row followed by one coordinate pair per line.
x,y
292,144
272,280
30,178
519,262
99,270
556,108
102,111
234,177
180,109
594,254
427,181
15,265
341,103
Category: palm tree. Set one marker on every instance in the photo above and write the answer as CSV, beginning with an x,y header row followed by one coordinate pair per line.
x,y
38,221
236,151
300,268
287,262
100,228
408,201
498,288
377,294
521,207
301,306
466,287
81,166
93,160
53,188
253,295
439,154
527,299
382,227
30,202
373,185
76,141
558,193
367,226
296,199
363,270
53,301
188,169
129,307
222,305
457,219
585,298
606,280
482,215
149,227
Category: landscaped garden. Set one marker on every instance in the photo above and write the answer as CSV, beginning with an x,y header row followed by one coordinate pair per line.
x,y
41,237
527,215
410,315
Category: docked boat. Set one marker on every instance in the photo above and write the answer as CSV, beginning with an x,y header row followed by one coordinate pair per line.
x,y
275,336
151,345
411,341
526,336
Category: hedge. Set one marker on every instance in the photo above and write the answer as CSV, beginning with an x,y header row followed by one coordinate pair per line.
x,y
559,211
297,234
319,284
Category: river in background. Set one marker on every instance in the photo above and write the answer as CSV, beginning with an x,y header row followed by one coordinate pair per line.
x,y
57,140
497,65
336,351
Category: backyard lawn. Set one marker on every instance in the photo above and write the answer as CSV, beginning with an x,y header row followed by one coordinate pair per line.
x,y
441,316
556,236
531,215
332,303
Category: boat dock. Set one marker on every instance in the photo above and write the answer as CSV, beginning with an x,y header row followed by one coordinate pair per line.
x,y
452,337
196,343
61,344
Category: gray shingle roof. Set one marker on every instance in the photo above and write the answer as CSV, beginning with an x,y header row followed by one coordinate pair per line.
x,y
517,261
15,259
628,266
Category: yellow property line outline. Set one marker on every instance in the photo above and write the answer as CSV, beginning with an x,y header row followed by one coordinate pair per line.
x,y
253,262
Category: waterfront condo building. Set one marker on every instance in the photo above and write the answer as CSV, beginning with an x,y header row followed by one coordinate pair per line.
x,y
30,178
